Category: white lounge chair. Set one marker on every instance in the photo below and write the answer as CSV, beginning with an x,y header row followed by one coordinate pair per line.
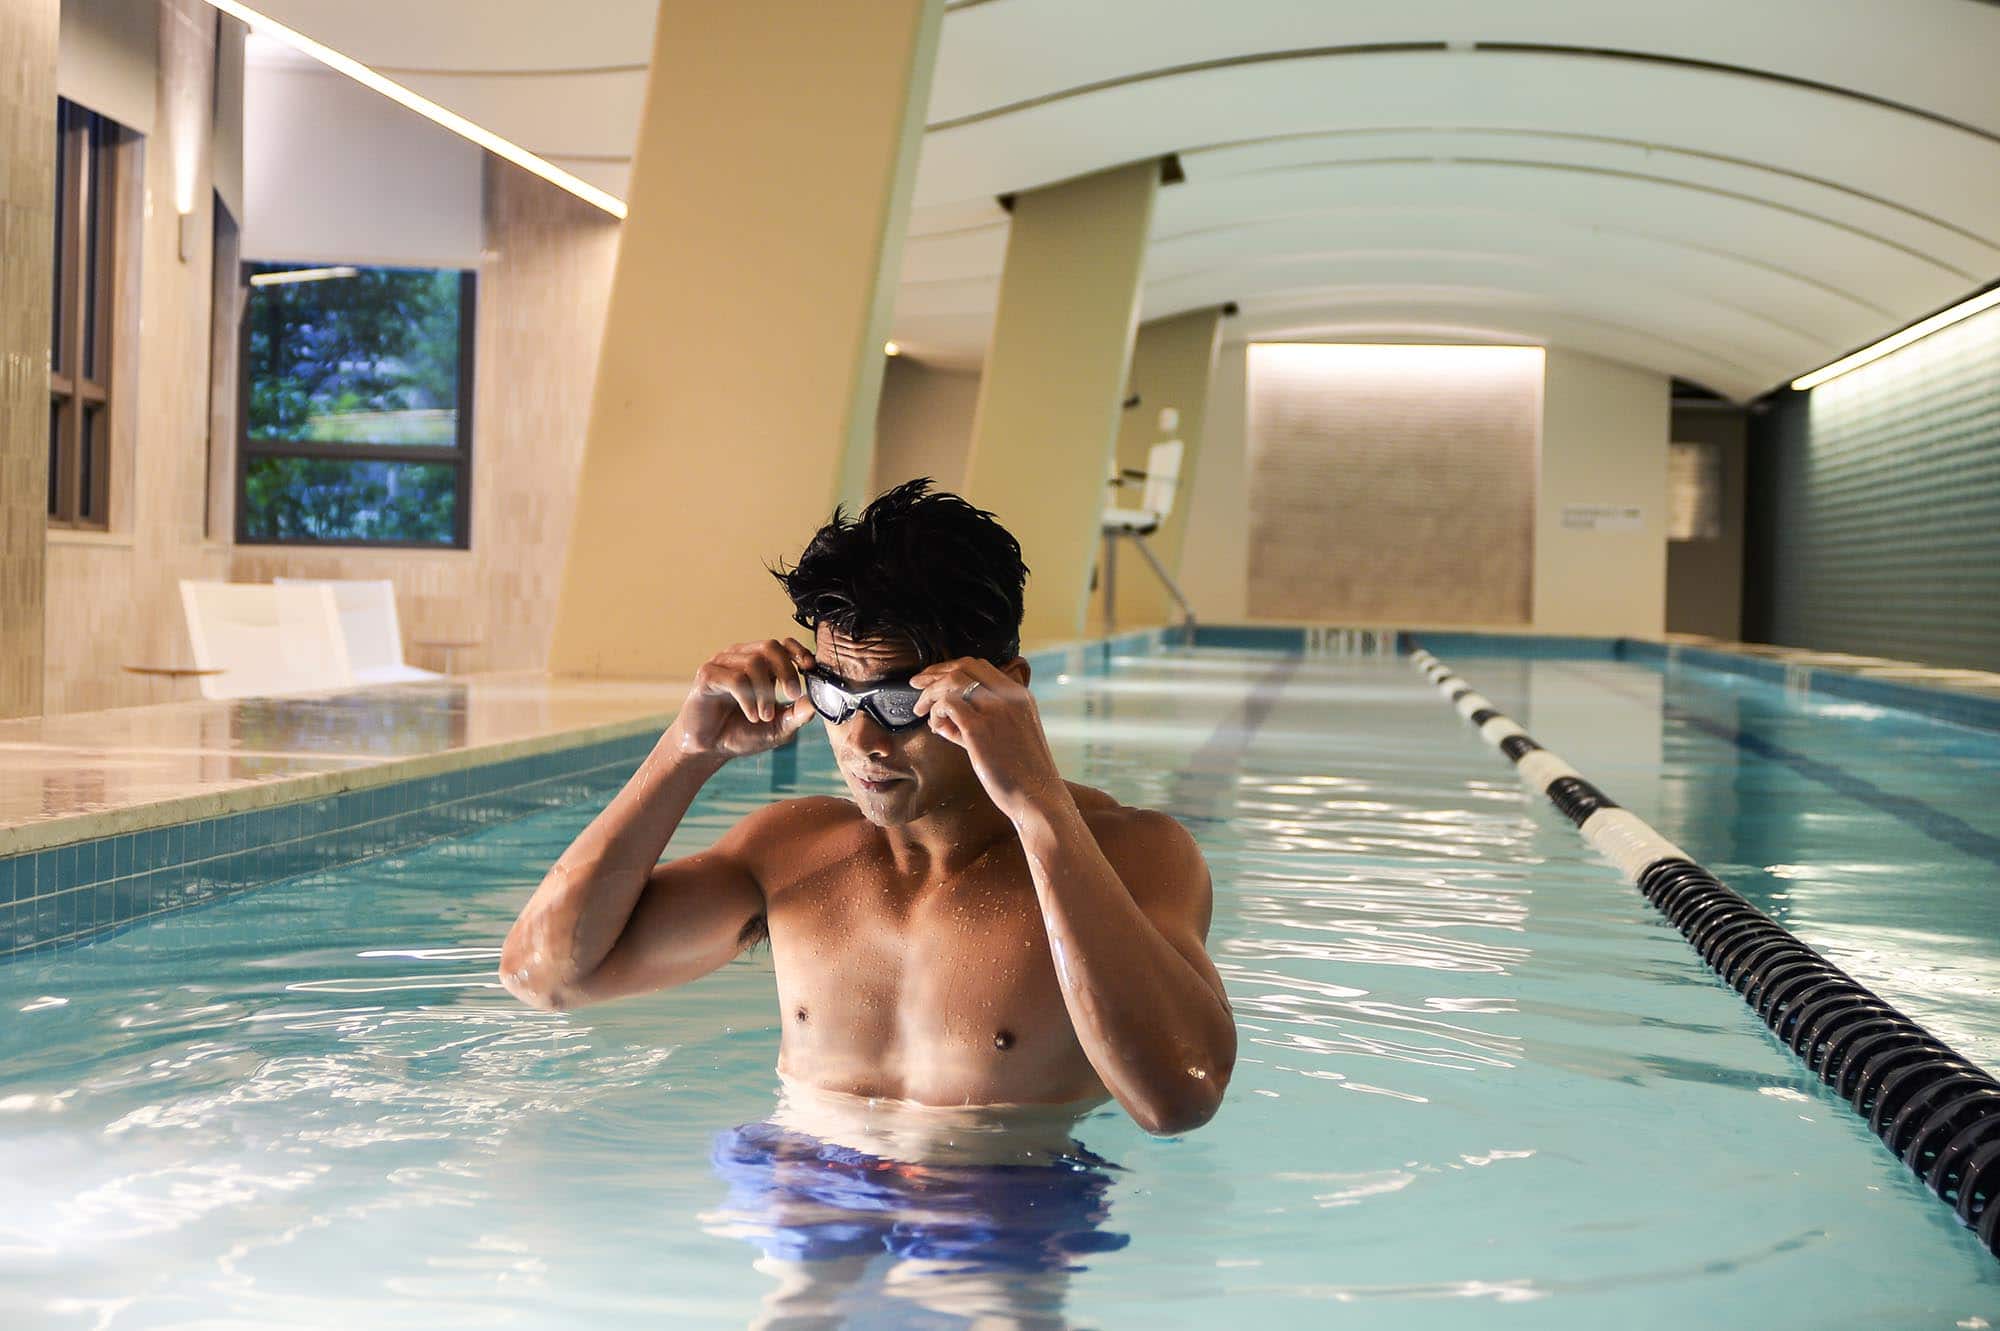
x,y
264,639
374,634
1161,482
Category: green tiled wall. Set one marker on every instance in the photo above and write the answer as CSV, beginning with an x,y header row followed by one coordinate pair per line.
x,y
1874,521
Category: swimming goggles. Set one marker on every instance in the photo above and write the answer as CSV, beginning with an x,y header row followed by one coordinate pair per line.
x,y
892,702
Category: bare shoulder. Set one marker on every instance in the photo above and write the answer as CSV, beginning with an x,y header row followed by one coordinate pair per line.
x,y
1153,852
1107,816
772,840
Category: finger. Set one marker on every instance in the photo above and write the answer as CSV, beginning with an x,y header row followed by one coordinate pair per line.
x,y
796,661
794,716
945,710
948,729
737,685
937,670
985,674
777,662
933,693
763,687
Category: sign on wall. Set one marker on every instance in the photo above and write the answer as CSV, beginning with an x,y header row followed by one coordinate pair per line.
x,y
1603,517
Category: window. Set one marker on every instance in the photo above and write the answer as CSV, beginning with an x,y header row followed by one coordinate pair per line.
x,y
1694,492
357,413
80,405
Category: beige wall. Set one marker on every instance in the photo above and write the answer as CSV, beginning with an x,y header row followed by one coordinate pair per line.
x,y
112,597
542,291
1607,442
1705,577
1215,553
27,192
923,426
1604,442
1392,484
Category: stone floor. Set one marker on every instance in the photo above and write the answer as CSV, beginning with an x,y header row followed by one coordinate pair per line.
x,y
89,774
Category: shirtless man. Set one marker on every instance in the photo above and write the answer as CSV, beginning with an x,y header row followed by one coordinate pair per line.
x,y
969,928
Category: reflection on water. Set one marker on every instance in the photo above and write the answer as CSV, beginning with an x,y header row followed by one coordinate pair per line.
x,y
1476,1071
980,1215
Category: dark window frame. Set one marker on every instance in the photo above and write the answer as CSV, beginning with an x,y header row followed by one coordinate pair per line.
x,y
458,455
89,200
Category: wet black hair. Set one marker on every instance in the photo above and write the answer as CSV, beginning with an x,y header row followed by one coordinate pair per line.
x,y
917,565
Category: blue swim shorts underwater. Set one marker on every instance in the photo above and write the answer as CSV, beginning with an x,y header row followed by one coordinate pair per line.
x,y
803,1199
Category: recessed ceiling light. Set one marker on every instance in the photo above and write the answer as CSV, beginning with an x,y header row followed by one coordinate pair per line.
x,y
265,26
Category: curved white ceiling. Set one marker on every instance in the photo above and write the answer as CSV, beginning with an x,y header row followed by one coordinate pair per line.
x,y
1732,194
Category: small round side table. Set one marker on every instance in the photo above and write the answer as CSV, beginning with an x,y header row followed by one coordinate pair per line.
x,y
450,647
172,674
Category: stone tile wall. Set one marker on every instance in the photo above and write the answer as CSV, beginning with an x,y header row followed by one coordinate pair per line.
x,y
543,284
27,232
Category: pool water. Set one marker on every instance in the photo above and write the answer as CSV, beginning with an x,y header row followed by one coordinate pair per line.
x,y
1481,1083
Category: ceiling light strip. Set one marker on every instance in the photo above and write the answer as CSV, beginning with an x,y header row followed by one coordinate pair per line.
x,y
1897,341
289,275
266,26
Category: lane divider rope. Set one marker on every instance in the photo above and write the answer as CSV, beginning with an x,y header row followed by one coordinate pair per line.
x,y
1937,1110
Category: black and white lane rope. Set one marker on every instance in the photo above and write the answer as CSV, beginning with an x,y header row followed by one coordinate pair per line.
x,y
1936,1110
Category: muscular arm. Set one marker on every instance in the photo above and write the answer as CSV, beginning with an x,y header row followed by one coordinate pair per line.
x,y
588,896
1145,1000
609,919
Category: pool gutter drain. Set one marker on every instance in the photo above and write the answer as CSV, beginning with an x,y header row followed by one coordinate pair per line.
x,y
1938,1111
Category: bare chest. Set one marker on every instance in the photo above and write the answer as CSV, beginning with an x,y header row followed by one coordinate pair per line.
x,y
948,998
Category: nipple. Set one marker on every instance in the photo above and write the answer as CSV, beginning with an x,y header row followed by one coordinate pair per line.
x,y
1003,1040
800,1013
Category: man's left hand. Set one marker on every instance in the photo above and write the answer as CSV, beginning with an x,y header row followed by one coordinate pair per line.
x,y
992,716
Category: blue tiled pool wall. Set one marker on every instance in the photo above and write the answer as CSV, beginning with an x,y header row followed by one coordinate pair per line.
x,y
1942,704
1961,708
72,894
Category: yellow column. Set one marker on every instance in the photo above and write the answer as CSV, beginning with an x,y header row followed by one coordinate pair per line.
x,y
1172,362
742,353
1048,403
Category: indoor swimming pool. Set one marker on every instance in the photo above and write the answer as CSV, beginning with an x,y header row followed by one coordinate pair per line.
x,y
1481,1082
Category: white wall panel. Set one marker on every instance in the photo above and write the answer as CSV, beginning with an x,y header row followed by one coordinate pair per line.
x,y
108,59
335,173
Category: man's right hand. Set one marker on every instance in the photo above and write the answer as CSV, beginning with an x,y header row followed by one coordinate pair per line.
x,y
746,699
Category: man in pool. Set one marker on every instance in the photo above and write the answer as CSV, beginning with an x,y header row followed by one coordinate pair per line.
x,y
969,929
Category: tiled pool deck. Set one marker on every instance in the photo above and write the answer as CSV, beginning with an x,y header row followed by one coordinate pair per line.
x,y
110,817
92,774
